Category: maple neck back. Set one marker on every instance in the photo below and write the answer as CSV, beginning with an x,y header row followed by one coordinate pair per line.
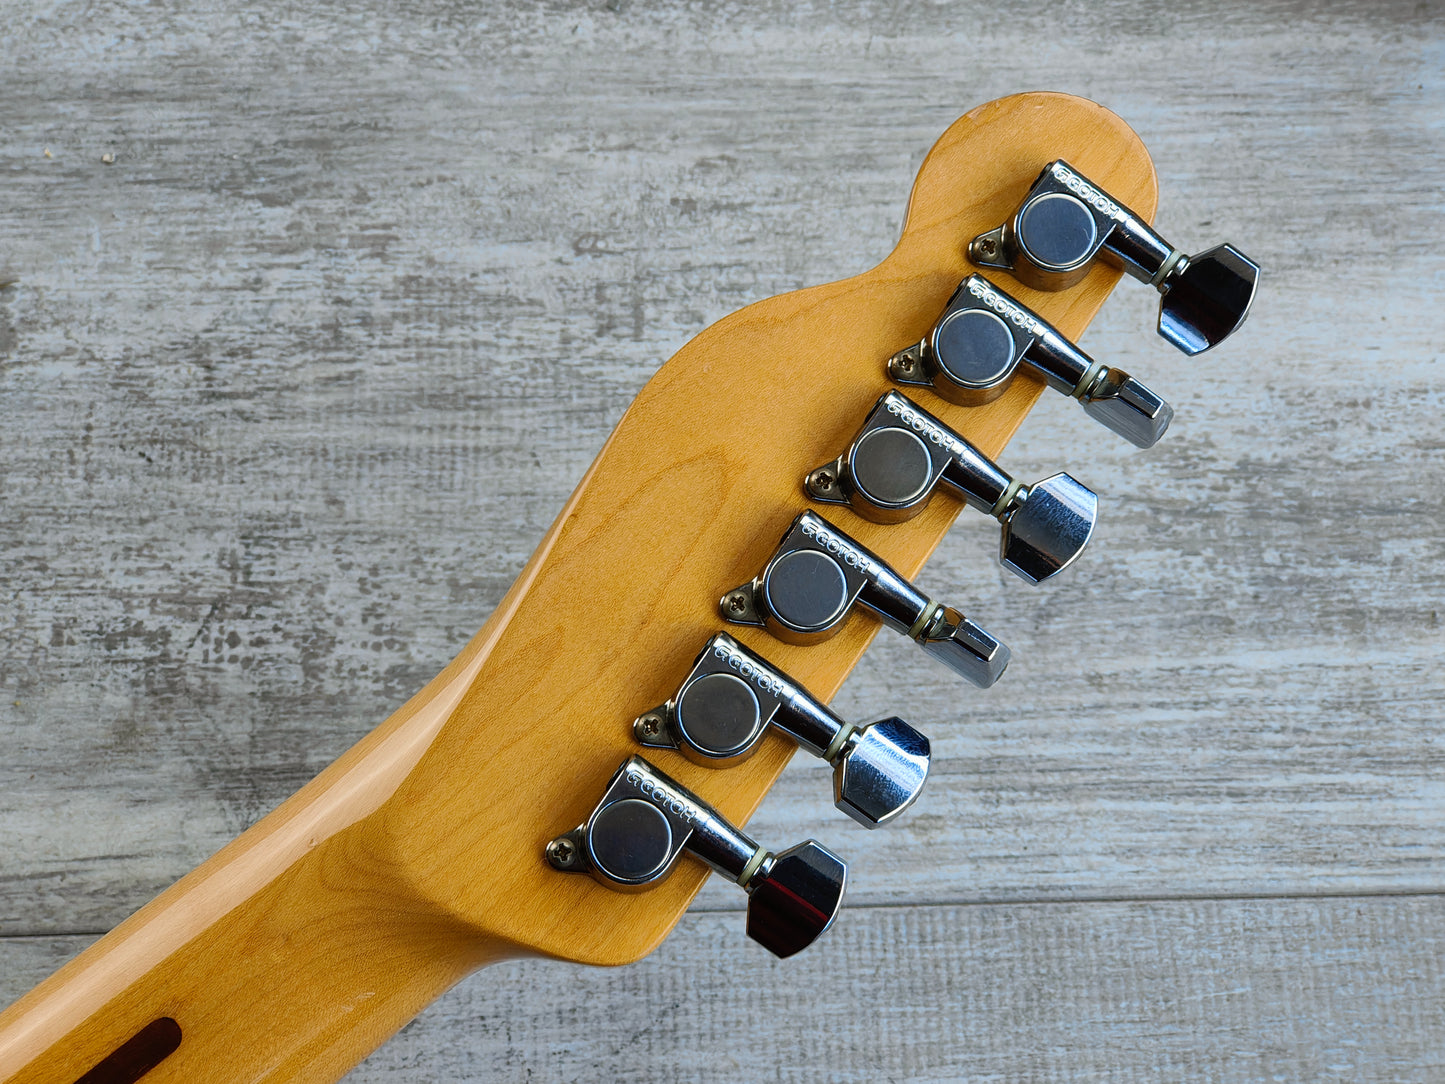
x,y
687,498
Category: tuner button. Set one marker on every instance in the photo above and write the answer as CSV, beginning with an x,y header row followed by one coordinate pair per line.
x,y
974,348
881,773
630,841
796,899
806,590
1126,406
891,467
1057,232
965,648
1208,300
718,715
1050,529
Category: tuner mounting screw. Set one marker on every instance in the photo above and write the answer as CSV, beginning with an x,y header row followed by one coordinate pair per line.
x,y
562,852
824,478
650,726
988,246
739,606
907,367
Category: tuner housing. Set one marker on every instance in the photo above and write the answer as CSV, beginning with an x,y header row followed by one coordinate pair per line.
x,y
732,695
1065,222
902,455
818,573
645,820
985,336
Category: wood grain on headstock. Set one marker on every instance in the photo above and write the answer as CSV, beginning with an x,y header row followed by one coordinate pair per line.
x,y
417,856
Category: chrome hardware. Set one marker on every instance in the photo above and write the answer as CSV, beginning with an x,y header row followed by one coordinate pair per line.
x,y
816,575
896,461
645,820
984,335
731,695
1065,221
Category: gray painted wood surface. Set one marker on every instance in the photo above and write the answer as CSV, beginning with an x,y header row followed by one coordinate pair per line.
x,y
290,389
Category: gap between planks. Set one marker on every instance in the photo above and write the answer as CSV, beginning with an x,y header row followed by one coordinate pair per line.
x,y
1022,901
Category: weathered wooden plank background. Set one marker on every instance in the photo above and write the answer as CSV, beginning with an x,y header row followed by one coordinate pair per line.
x,y
291,388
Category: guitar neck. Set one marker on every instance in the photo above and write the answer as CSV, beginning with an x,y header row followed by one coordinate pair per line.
x,y
419,855
291,954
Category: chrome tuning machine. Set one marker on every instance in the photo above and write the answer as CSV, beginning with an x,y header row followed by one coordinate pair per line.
x,y
971,354
895,463
731,695
645,820
1066,221
816,575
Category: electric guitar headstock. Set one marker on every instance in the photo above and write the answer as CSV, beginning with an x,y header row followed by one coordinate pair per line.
x,y
762,509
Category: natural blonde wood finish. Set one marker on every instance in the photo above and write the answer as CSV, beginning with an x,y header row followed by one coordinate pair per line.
x,y
417,856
